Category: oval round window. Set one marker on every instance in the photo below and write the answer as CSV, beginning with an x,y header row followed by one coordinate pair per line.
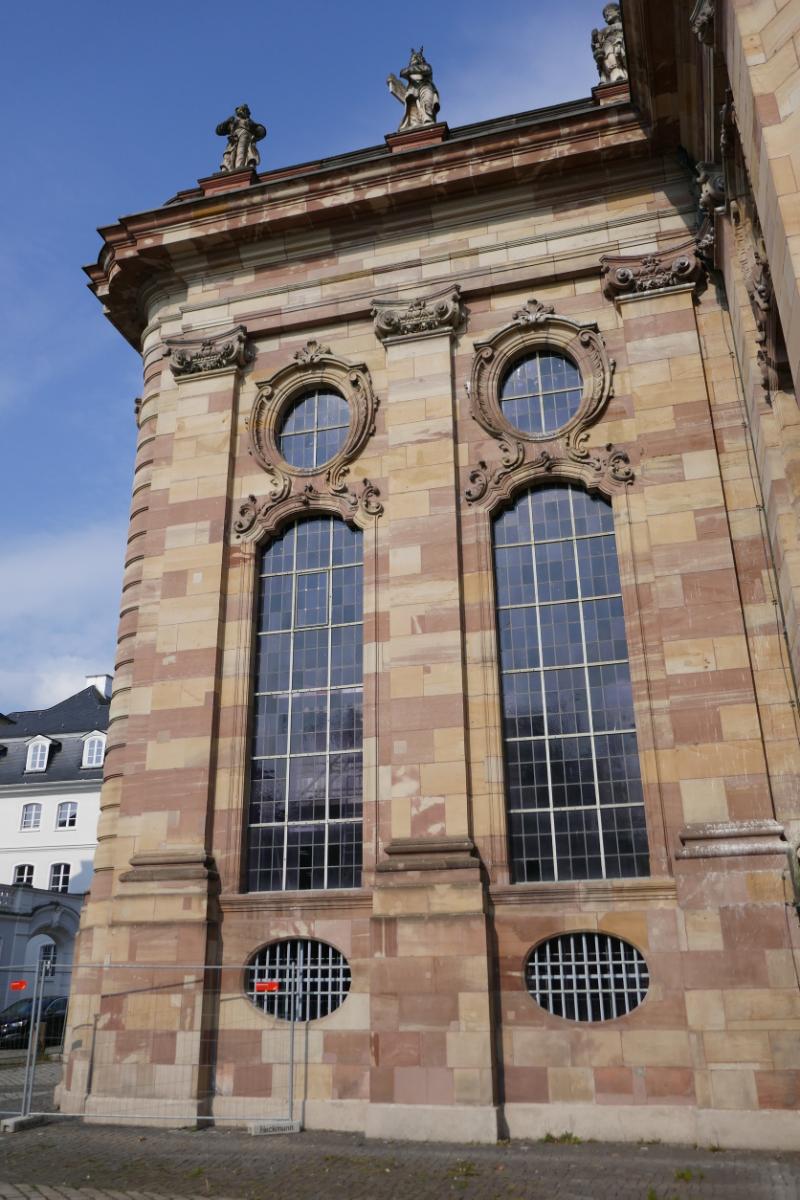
x,y
587,976
299,978
541,393
314,429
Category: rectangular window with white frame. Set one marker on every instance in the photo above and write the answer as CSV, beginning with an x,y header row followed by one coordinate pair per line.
x,y
67,815
31,816
23,875
59,877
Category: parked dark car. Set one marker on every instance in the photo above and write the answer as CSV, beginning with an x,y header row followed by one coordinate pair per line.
x,y
15,1023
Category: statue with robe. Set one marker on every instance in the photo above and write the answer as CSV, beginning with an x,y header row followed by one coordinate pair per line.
x,y
418,95
242,134
608,47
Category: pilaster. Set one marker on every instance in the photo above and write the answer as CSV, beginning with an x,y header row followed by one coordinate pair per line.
x,y
707,761
163,906
432,1042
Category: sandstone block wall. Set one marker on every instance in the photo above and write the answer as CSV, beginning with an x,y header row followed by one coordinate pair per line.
x,y
438,1021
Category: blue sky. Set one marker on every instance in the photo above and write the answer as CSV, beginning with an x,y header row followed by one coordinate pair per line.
x,y
111,108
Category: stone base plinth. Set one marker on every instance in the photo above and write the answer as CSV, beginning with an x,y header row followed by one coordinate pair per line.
x,y
770,1129
432,1122
416,139
118,1110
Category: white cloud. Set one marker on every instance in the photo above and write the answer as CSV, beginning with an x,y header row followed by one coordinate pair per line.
x,y
59,599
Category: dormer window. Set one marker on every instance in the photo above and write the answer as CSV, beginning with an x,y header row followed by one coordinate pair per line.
x,y
38,750
94,749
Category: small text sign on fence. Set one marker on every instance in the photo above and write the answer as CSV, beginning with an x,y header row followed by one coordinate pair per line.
x,y
277,1126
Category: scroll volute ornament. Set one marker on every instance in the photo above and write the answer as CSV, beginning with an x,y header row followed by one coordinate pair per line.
x,y
325,486
563,452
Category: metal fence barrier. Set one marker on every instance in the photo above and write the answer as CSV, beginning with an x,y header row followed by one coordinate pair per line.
x,y
156,1043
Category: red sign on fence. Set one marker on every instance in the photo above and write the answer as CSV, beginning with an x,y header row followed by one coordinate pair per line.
x,y
265,985
18,985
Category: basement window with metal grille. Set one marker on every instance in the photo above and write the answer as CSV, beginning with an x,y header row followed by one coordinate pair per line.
x,y
300,979
587,976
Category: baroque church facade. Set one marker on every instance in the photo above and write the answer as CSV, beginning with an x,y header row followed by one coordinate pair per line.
x,y
455,706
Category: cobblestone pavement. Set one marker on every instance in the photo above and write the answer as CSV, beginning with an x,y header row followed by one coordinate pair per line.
x,y
69,1161
12,1078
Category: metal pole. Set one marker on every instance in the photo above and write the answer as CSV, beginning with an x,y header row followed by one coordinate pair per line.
x,y
33,1037
24,1109
292,1015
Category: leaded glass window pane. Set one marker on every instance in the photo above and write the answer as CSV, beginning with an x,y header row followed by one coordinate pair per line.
x,y
305,779
573,784
541,392
314,429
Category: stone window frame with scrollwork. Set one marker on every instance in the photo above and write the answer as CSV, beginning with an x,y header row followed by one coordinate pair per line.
x,y
291,494
325,488
563,452
519,462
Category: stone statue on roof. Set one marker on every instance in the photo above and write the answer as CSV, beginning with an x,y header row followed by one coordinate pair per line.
x,y
608,47
418,96
242,134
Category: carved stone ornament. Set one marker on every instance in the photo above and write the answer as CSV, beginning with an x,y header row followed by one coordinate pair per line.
x,y
760,292
608,47
525,457
757,277
418,95
437,313
292,489
701,21
728,132
218,352
242,134
711,181
627,275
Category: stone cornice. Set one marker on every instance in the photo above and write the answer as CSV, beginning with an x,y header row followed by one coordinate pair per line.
x,y
9,791
732,839
585,893
167,866
290,903
154,245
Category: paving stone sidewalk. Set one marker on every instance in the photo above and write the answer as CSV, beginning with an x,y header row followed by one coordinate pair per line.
x,y
69,1161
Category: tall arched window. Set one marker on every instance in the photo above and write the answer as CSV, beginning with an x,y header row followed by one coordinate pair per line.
x,y
305,789
573,785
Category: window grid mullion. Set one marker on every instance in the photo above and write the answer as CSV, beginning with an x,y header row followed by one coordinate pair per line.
x,y
315,871
587,976
585,665
545,541
555,603
328,705
316,428
289,706
588,850
542,692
